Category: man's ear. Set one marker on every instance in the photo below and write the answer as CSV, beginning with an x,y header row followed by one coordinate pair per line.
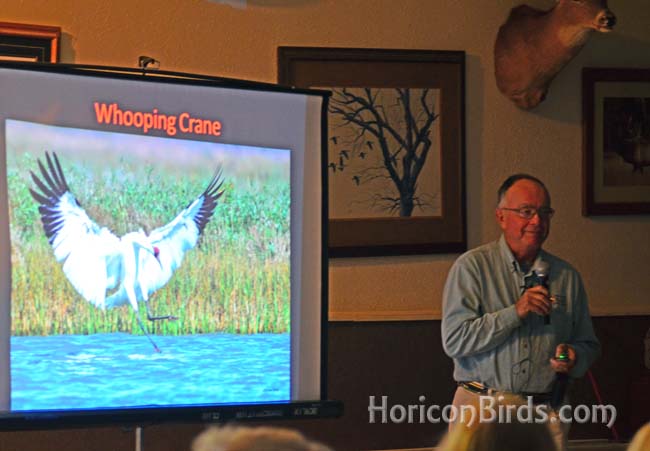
x,y
498,213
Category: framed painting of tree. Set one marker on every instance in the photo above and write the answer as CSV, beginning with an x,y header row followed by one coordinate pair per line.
x,y
396,145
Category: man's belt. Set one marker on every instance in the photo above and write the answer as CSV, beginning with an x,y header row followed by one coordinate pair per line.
x,y
482,389
476,387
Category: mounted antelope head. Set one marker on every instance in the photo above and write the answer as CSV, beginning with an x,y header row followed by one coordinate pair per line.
x,y
534,45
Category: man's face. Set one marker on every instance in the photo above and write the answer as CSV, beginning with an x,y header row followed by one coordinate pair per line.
x,y
524,236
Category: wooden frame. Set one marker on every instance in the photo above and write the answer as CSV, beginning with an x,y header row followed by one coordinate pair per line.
x,y
29,43
375,72
616,141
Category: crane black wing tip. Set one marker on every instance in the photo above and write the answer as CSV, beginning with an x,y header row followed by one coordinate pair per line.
x,y
210,197
39,197
51,182
64,182
51,186
213,192
45,190
217,180
57,175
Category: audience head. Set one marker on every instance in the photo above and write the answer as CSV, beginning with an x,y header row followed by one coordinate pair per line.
x,y
499,436
240,438
641,440
513,436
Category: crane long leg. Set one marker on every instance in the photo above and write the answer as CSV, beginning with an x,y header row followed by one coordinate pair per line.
x,y
151,317
155,346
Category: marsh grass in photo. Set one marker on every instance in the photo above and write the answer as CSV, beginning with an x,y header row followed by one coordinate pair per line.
x,y
237,279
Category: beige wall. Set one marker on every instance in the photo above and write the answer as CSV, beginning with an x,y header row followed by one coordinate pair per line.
x,y
212,38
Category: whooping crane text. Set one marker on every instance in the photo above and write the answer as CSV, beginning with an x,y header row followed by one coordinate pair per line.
x,y
112,114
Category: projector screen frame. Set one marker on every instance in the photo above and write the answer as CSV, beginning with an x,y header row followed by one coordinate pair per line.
x,y
210,413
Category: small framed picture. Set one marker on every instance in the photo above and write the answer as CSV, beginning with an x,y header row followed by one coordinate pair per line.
x,y
616,142
29,43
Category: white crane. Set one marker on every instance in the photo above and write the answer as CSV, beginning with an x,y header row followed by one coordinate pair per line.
x,y
96,261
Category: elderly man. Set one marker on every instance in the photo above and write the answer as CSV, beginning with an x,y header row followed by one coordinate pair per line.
x,y
515,316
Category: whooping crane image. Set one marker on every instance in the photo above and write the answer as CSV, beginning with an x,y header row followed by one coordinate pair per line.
x,y
96,261
103,205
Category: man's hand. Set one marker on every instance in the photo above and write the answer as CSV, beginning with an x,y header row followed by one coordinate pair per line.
x,y
564,365
534,300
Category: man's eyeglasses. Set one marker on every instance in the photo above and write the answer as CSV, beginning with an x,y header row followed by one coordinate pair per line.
x,y
530,212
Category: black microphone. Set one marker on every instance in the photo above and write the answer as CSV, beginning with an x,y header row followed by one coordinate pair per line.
x,y
561,382
541,270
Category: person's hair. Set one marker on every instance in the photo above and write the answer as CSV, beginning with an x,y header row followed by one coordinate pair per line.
x,y
641,439
498,436
241,438
507,183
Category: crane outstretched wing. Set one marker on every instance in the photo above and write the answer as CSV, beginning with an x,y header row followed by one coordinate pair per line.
x,y
86,250
182,233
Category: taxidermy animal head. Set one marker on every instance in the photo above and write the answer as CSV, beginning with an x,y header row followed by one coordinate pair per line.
x,y
534,45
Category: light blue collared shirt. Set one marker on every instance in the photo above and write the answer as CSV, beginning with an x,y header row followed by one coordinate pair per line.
x,y
486,339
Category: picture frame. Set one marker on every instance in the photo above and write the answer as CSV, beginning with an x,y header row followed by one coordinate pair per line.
x,y
29,43
433,81
616,141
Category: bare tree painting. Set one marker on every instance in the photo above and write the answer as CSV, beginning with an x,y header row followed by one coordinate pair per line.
x,y
384,152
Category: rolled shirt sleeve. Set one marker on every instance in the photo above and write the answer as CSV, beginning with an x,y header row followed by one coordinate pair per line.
x,y
466,329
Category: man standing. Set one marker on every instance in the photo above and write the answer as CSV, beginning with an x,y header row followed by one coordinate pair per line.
x,y
515,316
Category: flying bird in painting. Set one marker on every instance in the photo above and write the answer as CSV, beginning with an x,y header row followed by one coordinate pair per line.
x,y
107,270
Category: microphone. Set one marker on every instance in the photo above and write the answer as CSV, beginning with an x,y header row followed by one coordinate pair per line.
x,y
541,270
561,382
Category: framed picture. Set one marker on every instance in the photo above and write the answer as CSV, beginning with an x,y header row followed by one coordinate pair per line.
x,y
616,141
29,43
396,129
